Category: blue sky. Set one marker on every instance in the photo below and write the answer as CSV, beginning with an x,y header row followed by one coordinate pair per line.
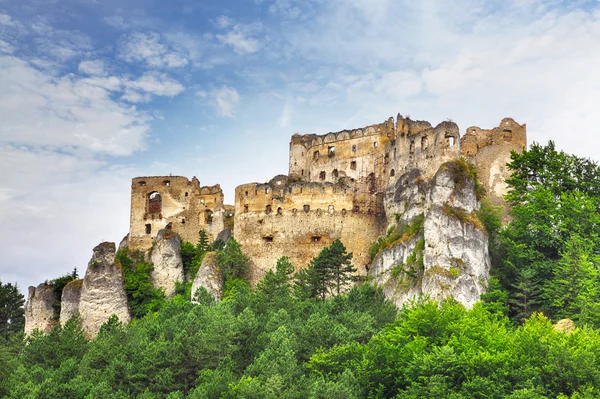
x,y
94,93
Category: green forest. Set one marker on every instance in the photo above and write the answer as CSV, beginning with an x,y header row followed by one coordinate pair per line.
x,y
303,335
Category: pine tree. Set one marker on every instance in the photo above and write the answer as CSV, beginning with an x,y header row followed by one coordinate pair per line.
x,y
12,319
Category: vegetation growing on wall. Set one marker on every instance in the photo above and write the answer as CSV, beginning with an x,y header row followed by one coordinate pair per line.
x,y
397,234
464,172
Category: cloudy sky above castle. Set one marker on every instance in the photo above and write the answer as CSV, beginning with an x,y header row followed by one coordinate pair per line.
x,y
93,93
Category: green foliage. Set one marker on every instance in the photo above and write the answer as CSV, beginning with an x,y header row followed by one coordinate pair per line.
x,y
397,234
555,200
232,261
58,285
12,314
192,255
329,273
464,172
142,297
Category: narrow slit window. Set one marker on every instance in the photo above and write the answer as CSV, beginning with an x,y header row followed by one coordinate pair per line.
x,y
316,155
148,228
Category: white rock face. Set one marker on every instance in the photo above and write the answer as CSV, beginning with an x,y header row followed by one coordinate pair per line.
x,y
69,301
38,309
209,277
455,257
102,294
168,266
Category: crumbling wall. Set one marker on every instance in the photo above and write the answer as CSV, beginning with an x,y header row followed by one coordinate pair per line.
x,y
39,313
183,206
298,220
489,150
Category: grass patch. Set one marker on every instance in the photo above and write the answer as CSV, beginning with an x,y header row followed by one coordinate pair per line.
x,y
463,216
396,235
464,172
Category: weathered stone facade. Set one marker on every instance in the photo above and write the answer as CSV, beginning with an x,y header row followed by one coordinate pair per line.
x,y
176,203
298,219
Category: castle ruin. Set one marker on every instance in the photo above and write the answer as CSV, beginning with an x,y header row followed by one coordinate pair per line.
x,y
335,188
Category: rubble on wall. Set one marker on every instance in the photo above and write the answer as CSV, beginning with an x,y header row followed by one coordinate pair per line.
x,y
166,259
209,276
102,294
39,313
452,256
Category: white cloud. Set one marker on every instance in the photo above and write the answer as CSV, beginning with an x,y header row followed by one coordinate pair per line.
x,y
157,84
225,100
6,47
93,67
149,48
240,38
42,110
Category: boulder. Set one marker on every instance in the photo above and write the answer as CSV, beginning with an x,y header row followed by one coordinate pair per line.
x,y
209,276
69,301
39,312
102,293
166,259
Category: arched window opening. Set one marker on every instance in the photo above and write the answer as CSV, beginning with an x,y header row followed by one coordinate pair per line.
x,y
154,202
268,209
331,151
356,209
353,165
315,155
279,211
375,144
306,208
392,172
335,173
424,143
245,208
450,140
267,190
186,193
331,209
344,211
208,216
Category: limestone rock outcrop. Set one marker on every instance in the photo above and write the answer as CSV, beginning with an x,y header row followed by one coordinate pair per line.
x,y
449,256
166,258
102,293
69,301
209,276
39,313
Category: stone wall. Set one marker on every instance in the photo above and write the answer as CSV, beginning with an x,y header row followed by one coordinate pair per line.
x,y
298,220
184,206
489,150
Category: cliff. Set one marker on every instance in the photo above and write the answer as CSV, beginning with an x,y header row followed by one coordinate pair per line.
x,y
444,250
166,258
102,294
39,313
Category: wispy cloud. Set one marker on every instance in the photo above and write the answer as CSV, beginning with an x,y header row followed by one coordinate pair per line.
x,y
151,84
241,37
150,49
225,100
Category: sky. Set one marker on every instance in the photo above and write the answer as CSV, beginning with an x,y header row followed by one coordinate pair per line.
x,y
96,92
